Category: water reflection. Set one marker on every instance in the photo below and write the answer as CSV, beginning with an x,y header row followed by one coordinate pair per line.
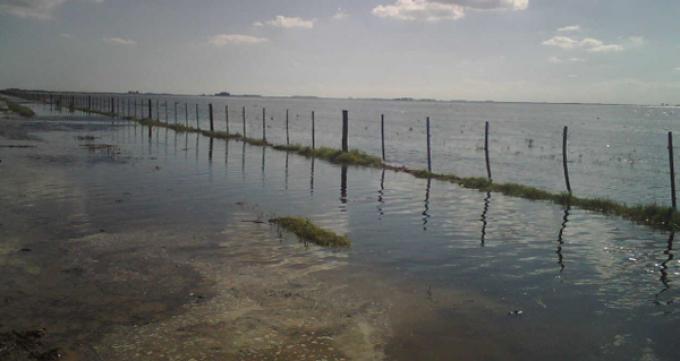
x,y
426,211
210,150
311,178
485,211
286,172
343,185
381,195
663,269
560,237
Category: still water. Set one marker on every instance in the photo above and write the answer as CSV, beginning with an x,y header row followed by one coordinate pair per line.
x,y
615,151
572,284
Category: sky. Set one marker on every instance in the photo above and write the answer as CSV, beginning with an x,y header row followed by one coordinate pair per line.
x,y
600,51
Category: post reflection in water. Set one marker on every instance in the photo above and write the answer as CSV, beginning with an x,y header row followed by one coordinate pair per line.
x,y
311,178
197,145
485,211
343,184
264,150
226,151
243,161
426,211
186,146
286,173
210,150
560,237
381,194
665,282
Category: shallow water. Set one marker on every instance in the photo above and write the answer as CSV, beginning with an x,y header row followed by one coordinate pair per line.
x,y
564,283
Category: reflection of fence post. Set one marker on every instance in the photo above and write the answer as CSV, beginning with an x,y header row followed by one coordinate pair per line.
x,y
672,166
210,110
382,134
486,150
429,147
313,132
287,131
345,129
564,159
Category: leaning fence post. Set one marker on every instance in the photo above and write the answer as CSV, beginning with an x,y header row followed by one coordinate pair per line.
x,y
212,127
382,134
672,166
313,132
345,129
564,159
429,146
486,150
287,132
264,125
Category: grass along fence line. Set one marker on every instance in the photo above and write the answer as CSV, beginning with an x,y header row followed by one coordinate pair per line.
x,y
17,108
653,215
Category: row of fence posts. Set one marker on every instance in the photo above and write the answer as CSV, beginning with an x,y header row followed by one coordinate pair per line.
x,y
113,104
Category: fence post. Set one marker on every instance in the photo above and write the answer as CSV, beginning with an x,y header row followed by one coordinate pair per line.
x,y
158,110
313,132
166,112
287,132
564,159
198,126
429,147
382,134
345,129
150,111
186,115
226,117
113,110
264,125
244,121
175,106
486,151
672,166
212,126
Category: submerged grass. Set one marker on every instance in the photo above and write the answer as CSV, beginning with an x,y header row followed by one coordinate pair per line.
x,y
309,232
651,214
17,108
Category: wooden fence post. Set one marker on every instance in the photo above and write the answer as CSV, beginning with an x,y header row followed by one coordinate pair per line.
x,y
198,125
166,111
264,125
287,131
313,132
429,147
345,130
486,151
150,111
186,115
382,134
226,117
175,106
243,113
672,166
212,126
158,110
564,159
113,109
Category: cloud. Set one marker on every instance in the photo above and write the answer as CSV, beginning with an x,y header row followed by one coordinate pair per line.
x,y
340,14
437,10
221,40
286,22
637,40
588,44
120,41
558,60
569,28
36,9
677,68
411,10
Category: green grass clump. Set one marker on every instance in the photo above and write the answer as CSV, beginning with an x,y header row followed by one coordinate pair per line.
x,y
309,232
353,157
17,108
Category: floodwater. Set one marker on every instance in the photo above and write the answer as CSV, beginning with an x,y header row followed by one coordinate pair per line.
x,y
125,247
615,151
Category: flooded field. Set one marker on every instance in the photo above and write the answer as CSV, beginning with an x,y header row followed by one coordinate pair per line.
x,y
119,246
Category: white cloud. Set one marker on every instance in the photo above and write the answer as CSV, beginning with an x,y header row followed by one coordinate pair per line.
x,y
436,10
36,9
558,60
340,14
677,68
419,10
120,41
588,44
569,28
221,40
286,22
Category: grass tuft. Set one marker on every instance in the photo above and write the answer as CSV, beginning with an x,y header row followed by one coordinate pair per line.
x,y
17,108
309,232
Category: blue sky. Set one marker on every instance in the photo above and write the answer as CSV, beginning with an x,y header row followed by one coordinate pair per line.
x,y
622,51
